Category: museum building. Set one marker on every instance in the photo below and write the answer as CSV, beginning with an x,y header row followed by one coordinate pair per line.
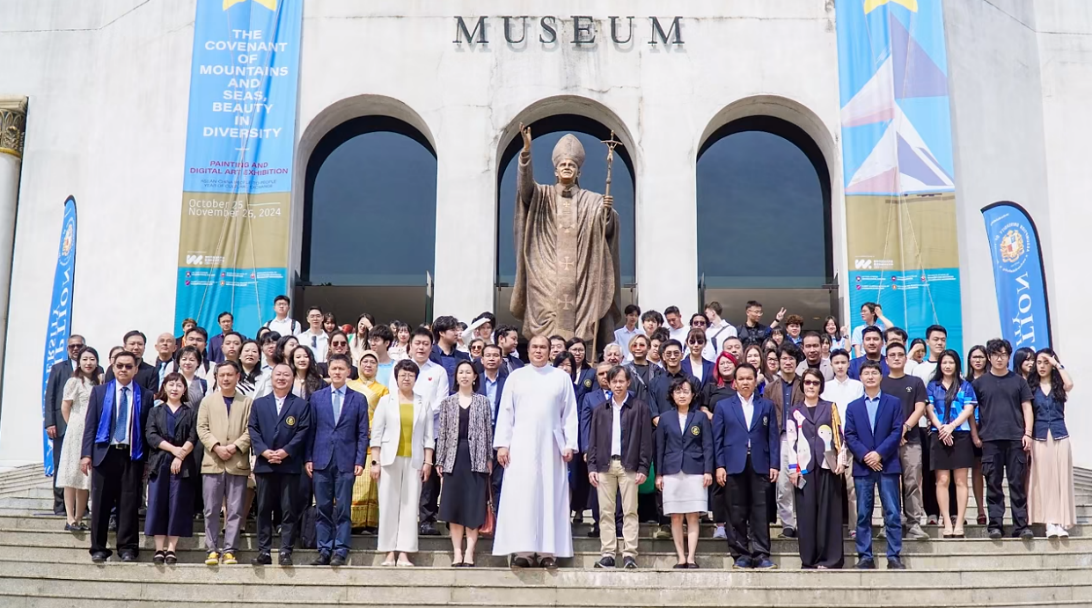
x,y
805,155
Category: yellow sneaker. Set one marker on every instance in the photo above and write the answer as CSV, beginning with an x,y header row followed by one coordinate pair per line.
x,y
213,559
229,559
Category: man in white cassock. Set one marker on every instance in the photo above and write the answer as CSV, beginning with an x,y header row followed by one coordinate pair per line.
x,y
535,438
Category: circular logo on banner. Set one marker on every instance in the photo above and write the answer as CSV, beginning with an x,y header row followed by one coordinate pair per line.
x,y
1012,246
290,421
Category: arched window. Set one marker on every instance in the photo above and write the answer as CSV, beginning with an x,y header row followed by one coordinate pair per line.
x,y
764,218
546,133
369,228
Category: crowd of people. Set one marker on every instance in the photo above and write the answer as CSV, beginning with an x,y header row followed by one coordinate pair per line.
x,y
385,429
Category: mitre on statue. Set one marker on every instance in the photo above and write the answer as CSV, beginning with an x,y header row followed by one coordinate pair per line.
x,y
568,147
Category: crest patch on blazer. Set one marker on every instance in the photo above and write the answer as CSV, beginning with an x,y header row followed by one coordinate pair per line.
x,y
587,383
695,430
290,421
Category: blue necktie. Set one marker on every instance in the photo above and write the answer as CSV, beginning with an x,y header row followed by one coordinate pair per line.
x,y
123,416
337,405
314,342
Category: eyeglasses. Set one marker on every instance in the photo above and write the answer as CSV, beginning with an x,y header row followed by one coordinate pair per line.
x,y
339,344
124,366
696,341
811,383
697,324
75,346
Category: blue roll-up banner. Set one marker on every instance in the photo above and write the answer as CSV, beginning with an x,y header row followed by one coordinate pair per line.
x,y
1018,275
60,314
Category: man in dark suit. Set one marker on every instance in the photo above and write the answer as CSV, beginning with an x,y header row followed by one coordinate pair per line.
x,y
873,433
55,425
279,427
113,453
748,450
491,371
582,496
146,375
336,452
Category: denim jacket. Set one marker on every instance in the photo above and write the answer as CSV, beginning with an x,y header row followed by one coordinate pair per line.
x,y
1049,415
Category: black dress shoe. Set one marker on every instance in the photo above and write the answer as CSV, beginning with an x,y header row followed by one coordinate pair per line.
x,y
129,556
429,529
521,562
605,562
263,559
548,563
865,564
894,563
371,530
322,560
159,558
788,533
594,532
339,560
285,558
99,557
996,534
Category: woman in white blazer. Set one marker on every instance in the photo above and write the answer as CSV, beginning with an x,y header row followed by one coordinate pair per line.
x,y
402,445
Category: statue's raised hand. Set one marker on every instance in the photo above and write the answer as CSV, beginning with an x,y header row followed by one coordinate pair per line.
x,y
526,132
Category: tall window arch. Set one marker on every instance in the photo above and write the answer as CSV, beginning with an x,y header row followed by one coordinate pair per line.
x,y
546,133
764,216
370,186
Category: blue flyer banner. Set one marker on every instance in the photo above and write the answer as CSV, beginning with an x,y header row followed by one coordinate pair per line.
x,y
60,314
233,244
1018,275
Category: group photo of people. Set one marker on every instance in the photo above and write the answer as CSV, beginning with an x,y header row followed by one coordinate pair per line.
x,y
321,430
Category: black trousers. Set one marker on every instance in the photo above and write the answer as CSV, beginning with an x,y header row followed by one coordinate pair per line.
x,y
749,533
718,503
580,486
929,484
497,480
117,483
819,520
58,493
1000,458
277,490
430,499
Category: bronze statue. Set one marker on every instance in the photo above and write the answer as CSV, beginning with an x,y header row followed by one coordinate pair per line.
x,y
566,239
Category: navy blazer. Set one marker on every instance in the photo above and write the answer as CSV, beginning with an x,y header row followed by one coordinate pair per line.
x,y
707,369
97,451
344,441
885,440
287,432
731,435
585,383
502,377
688,450
587,404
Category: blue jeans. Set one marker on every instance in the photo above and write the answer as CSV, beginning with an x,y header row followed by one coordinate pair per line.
x,y
332,485
892,512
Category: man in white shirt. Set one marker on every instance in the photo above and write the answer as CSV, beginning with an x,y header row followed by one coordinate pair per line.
x,y
718,330
842,391
937,339
281,323
624,334
675,326
315,337
432,385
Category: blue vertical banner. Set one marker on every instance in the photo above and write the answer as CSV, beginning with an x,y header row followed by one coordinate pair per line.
x,y
1018,275
60,314
899,176
240,144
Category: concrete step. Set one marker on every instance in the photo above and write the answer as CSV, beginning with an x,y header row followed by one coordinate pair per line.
x,y
439,544
502,587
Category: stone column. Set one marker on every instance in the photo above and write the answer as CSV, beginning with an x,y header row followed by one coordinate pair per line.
x,y
13,122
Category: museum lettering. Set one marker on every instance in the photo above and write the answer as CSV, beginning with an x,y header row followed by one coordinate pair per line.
x,y
578,30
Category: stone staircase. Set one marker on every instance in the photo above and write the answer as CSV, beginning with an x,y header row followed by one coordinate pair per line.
x,y
43,566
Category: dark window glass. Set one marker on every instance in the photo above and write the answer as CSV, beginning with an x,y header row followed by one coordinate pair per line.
x,y
372,195
763,210
593,175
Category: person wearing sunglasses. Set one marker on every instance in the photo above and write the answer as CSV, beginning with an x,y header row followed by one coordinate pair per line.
x,y
695,363
817,459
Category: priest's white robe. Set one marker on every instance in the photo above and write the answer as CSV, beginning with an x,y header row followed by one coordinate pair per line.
x,y
537,407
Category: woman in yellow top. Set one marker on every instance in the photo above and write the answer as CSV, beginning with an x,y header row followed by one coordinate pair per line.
x,y
365,508
402,444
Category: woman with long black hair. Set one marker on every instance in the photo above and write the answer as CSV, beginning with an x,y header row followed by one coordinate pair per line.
x,y
1023,362
1050,494
583,374
307,380
950,409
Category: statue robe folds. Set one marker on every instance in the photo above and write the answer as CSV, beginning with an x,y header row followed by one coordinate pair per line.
x,y
567,265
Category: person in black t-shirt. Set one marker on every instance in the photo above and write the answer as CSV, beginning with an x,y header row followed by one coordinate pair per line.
x,y
911,393
1005,419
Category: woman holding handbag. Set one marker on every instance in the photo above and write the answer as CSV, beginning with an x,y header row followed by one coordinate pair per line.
x,y
464,459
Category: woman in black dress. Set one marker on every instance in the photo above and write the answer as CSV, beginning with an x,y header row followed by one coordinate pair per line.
x,y
173,476
817,459
464,460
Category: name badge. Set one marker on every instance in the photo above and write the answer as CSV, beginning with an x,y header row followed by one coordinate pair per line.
x,y
290,421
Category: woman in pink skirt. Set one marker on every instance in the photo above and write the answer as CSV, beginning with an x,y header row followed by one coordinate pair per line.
x,y
1050,497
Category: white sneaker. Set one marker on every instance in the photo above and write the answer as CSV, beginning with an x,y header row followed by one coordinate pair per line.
x,y
1062,532
720,533
1051,531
